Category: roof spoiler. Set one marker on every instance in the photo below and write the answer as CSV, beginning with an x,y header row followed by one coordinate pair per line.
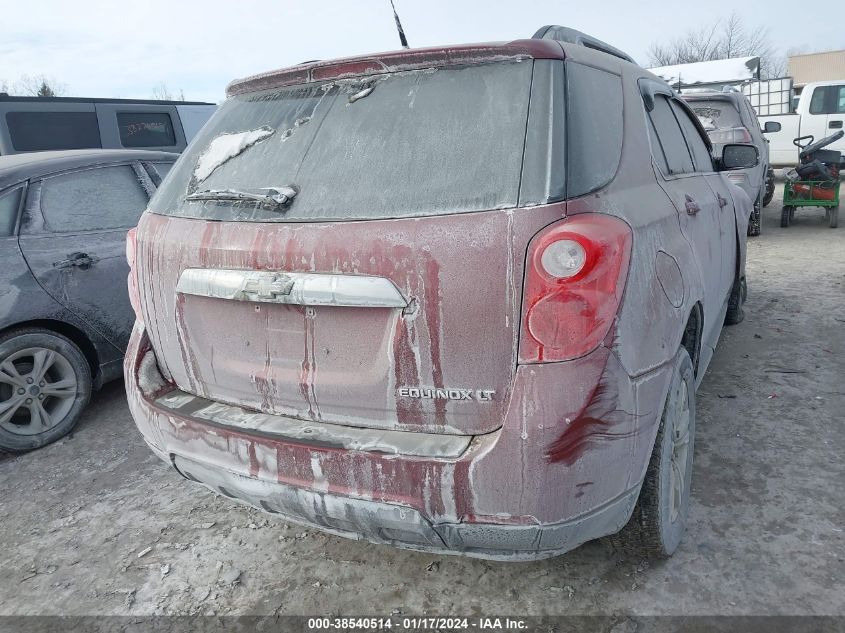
x,y
565,34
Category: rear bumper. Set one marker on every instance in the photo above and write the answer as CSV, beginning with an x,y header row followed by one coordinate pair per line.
x,y
401,526
540,486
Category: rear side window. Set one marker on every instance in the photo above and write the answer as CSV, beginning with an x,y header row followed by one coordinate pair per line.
x,y
158,171
145,129
828,100
37,131
716,113
9,205
670,139
95,199
423,142
700,154
162,169
594,128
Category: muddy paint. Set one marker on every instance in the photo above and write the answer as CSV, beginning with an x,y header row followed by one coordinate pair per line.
x,y
560,440
346,364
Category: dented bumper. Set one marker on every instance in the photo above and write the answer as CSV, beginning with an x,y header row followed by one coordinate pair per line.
x,y
563,469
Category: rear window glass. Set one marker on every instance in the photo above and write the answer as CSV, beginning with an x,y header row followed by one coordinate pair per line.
x,y
9,204
405,144
595,127
145,129
95,199
716,113
36,131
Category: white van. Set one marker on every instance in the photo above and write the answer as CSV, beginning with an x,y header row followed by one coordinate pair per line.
x,y
33,124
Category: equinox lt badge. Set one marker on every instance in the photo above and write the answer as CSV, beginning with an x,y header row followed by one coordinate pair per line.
x,y
431,393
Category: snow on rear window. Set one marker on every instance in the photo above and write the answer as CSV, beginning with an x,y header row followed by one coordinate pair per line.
x,y
715,114
225,147
405,144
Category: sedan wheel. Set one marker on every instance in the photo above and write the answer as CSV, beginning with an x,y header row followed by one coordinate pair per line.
x,y
45,382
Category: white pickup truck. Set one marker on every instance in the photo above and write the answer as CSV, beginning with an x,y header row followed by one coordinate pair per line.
x,y
820,112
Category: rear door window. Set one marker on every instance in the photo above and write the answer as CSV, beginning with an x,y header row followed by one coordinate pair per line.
x,y
38,131
828,100
158,171
702,159
94,199
9,205
670,138
413,143
145,129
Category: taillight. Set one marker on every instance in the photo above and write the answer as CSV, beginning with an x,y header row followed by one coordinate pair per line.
x,y
737,178
720,136
574,279
132,280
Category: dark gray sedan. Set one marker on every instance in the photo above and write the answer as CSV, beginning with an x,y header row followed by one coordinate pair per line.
x,y
65,317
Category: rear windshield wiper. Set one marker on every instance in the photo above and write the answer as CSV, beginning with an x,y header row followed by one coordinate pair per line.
x,y
275,198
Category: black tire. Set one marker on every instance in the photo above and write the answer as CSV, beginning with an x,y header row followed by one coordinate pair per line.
x,y
786,216
45,383
755,220
660,516
833,218
769,187
736,313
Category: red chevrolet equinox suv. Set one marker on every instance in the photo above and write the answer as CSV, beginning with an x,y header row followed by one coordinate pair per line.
x,y
454,299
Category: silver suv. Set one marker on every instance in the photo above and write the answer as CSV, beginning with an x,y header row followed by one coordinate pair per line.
x,y
729,118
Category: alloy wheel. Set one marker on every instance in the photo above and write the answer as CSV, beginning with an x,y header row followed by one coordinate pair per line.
x,y
38,388
680,448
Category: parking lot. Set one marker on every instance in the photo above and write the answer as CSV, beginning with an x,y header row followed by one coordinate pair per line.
x,y
95,524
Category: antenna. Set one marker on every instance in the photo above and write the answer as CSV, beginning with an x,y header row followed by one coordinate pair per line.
x,y
402,39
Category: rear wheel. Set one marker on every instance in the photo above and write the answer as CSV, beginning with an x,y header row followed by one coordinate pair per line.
x,y
660,516
755,220
786,216
45,383
833,217
739,293
769,187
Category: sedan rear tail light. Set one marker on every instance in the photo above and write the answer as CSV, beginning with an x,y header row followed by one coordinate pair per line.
x,y
132,280
721,136
575,276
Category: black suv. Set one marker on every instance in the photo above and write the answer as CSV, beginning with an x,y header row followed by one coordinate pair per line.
x,y
65,316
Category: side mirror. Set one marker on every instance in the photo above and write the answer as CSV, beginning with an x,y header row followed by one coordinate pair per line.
x,y
771,126
739,156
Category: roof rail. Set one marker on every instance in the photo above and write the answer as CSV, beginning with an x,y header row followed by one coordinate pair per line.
x,y
565,34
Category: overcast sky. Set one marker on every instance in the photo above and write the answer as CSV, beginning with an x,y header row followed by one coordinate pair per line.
x,y
105,48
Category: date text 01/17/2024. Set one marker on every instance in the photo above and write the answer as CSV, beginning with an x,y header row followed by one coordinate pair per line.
x,y
411,623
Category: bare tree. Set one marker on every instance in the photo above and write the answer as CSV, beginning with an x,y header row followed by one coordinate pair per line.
x,y
721,40
41,86
162,92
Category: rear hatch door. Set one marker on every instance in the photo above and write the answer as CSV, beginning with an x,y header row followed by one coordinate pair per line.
x,y
387,292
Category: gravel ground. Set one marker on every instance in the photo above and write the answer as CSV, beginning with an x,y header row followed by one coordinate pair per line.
x,y
95,524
